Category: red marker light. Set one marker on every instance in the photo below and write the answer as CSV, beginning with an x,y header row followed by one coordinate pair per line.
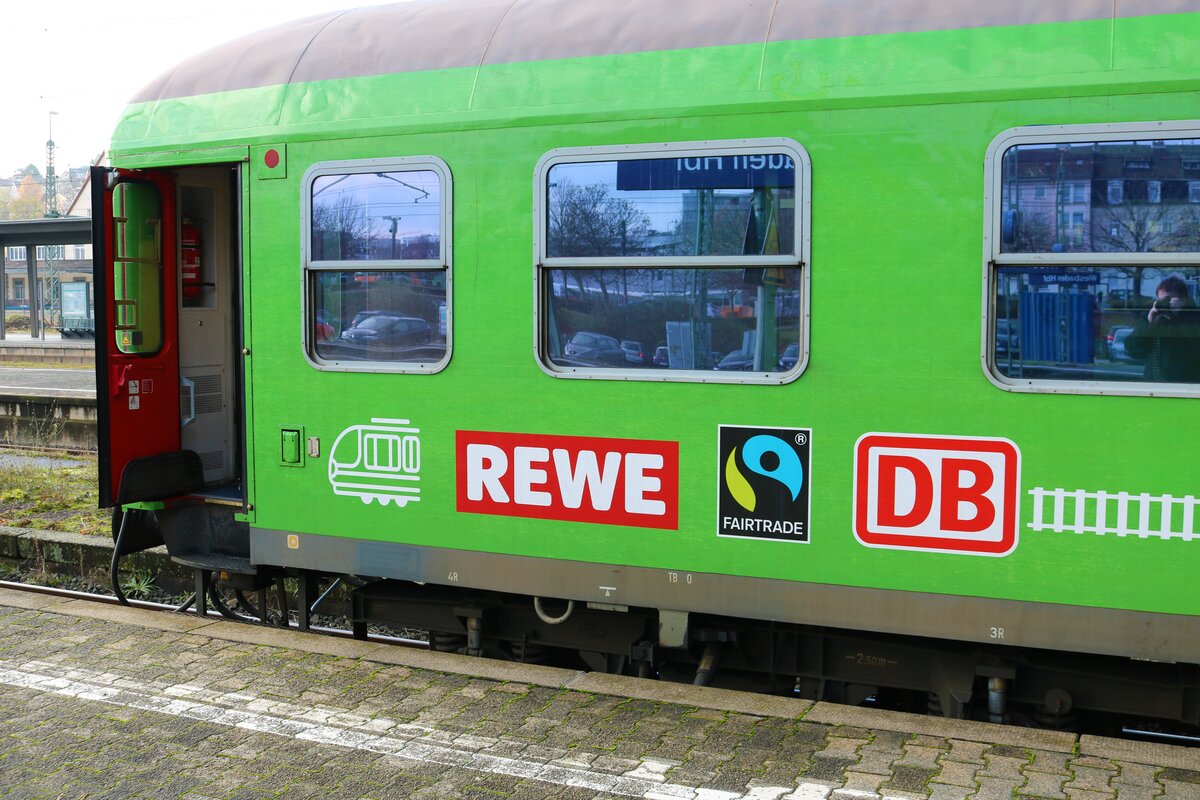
x,y
271,158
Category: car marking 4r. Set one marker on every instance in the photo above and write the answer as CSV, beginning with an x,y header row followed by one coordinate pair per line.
x,y
950,494
631,482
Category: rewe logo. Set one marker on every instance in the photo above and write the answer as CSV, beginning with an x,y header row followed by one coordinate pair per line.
x,y
943,493
630,482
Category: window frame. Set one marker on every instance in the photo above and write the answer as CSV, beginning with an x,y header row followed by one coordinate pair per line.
x,y
310,268
994,258
799,259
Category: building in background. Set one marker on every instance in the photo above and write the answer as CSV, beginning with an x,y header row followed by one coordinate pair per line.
x,y
61,279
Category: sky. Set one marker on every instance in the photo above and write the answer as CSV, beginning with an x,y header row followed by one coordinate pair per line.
x,y
67,57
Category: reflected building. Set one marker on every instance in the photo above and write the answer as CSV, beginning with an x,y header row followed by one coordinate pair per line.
x,y
1136,197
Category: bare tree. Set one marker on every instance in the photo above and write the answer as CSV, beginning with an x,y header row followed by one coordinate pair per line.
x,y
1185,232
1135,228
1132,228
340,230
1034,233
586,221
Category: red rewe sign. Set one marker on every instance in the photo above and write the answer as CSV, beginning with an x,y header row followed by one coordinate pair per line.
x,y
952,494
632,482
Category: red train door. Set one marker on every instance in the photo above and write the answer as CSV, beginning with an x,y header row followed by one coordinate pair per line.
x,y
135,248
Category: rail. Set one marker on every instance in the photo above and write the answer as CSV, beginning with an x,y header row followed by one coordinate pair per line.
x,y
103,599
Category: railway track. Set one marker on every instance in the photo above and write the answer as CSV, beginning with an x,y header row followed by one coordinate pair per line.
x,y
103,599
49,448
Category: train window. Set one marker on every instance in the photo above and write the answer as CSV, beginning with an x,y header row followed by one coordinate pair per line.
x,y
137,267
377,265
674,262
1093,260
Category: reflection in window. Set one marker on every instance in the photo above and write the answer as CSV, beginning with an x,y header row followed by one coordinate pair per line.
x,y
387,316
715,205
376,216
393,312
1101,323
1134,196
741,320
137,267
655,264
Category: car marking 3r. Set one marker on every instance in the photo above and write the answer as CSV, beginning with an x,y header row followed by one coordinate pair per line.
x,y
949,494
630,482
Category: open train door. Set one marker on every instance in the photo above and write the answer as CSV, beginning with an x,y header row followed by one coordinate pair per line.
x,y
134,238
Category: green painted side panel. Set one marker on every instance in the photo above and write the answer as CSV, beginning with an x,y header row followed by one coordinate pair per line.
x,y
896,127
203,155
1094,57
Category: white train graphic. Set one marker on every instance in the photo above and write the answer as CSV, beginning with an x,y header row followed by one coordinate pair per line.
x,y
380,461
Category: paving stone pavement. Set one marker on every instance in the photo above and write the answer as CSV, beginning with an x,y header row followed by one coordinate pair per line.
x,y
101,703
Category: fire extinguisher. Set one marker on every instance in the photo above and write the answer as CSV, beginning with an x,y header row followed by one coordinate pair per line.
x,y
190,259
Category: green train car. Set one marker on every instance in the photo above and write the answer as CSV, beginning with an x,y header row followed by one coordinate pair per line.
x,y
846,355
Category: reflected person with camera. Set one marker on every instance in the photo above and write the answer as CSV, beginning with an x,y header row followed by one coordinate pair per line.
x,y
1168,340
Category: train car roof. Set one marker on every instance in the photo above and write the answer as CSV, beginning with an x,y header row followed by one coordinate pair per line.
x,y
447,34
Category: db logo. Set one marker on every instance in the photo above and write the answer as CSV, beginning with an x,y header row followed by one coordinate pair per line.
x,y
943,493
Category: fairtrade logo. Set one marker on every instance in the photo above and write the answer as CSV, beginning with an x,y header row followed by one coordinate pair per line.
x,y
789,472
763,489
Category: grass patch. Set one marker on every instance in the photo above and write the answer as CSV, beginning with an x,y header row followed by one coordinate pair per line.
x,y
52,498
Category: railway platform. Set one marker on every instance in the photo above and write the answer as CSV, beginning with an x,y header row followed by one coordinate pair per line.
x,y
46,406
110,702
19,347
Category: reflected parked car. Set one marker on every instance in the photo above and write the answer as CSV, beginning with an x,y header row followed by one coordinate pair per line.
x,y
737,360
1116,343
791,355
634,353
595,347
662,357
388,330
363,316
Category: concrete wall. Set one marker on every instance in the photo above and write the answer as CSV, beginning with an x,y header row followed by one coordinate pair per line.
x,y
48,421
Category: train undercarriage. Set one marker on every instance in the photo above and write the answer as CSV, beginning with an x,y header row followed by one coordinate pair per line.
x,y
1025,686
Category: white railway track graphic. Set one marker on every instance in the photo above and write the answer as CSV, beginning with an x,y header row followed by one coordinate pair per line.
x,y
1144,516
